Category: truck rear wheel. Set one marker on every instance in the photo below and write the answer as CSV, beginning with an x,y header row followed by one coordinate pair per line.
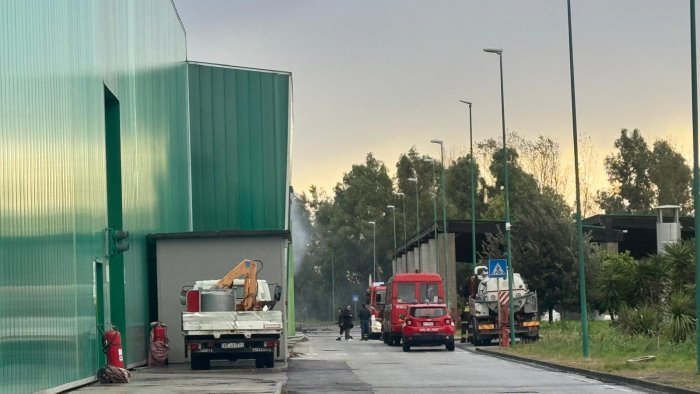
x,y
269,360
405,346
260,361
199,362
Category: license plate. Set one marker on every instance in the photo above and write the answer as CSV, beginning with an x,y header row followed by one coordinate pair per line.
x,y
232,345
427,323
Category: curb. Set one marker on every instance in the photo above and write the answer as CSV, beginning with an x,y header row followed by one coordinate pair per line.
x,y
602,376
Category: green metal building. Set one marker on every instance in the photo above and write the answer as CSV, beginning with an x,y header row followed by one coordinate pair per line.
x,y
95,134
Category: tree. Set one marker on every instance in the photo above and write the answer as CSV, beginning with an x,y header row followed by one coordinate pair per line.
x,y
541,158
459,190
628,171
543,236
615,287
340,241
414,165
671,176
588,160
362,197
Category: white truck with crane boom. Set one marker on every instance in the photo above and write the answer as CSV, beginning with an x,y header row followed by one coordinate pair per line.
x,y
232,318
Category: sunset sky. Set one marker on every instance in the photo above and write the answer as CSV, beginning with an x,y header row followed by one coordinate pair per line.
x,y
383,76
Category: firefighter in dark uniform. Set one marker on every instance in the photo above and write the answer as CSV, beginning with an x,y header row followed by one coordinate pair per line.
x,y
464,322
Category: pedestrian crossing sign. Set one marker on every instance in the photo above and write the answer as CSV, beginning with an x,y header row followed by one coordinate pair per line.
x,y
497,268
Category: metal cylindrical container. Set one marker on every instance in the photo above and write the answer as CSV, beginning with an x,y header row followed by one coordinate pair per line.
x,y
160,332
192,301
112,342
217,301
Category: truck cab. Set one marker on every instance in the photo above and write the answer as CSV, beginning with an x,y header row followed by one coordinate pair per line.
x,y
403,290
376,297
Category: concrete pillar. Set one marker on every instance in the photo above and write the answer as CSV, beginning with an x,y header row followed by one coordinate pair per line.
x,y
411,259
450,276
402,263
417,259
432,266
425,258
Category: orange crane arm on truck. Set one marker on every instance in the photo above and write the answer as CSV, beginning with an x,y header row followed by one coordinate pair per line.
x,y
246,270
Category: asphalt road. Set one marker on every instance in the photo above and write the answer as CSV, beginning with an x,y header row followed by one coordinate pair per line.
x,y
324,365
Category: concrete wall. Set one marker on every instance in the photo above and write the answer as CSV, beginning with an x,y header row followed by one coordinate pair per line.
x,y
431,258
450,276
181,262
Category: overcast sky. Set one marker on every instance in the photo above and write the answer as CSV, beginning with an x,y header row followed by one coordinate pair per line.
x,y
383,76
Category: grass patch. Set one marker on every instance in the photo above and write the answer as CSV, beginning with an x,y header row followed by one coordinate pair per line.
x,y
560,342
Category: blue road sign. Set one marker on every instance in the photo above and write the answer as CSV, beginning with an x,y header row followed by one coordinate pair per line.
x,y
498,268
355,298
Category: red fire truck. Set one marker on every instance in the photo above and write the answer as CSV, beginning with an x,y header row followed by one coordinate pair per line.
x,y
376,295
403,290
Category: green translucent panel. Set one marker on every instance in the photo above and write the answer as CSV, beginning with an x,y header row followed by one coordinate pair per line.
x,y
239,125
56,57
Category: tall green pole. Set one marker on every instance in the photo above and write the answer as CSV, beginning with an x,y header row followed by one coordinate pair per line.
x,y
405,236
473,175
435,226
509,260
420,267
579,226
696,174
473,171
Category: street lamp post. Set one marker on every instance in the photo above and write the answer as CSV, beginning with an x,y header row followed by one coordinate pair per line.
x,y
471,153
403,210
509,260
393,214
435,227
444,222
696,172
374,250
405,237
420,268
579,225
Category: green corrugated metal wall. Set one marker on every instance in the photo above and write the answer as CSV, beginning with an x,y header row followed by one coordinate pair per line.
x,y
56,57
239,125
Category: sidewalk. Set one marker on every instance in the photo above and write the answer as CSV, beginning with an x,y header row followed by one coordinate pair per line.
x,y
224,377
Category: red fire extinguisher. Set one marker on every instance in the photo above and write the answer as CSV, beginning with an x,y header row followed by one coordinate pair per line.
x,y
160,332
112,344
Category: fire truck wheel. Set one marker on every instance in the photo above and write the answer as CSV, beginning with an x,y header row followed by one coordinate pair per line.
x,y
406,347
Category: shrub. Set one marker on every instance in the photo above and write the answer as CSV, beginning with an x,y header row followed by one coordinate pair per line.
x,y
679,307
641,320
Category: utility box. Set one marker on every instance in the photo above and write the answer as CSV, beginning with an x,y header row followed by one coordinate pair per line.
x,y
668,231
